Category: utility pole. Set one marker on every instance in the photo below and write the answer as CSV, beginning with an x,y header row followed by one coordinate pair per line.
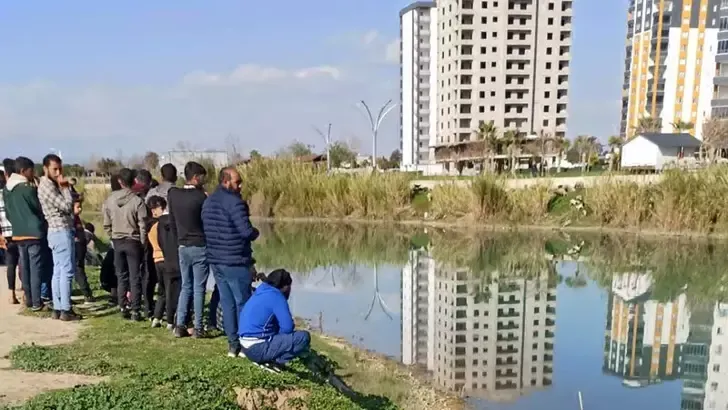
x,y
327,140
375,123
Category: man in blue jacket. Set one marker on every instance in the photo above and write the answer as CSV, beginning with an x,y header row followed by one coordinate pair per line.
x,y
229,233
267,332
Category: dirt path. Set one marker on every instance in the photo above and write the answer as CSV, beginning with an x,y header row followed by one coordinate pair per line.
x,y
17,386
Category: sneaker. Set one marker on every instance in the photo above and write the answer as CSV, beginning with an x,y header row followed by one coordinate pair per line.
x,y
88,300
36,308
69,316
170,326
199,334
267,367
181,332
56,315
136,317
156,323
242,355
125,314
233,351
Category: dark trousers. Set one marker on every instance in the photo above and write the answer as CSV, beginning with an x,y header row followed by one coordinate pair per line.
x,y
128,254
11,260
168,292
81,278
31,259
233,284
151,277
46,276
280,348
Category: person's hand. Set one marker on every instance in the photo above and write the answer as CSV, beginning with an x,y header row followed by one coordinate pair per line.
x,y
62,181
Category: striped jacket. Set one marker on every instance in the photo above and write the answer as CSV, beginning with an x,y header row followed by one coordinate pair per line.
x,y
6,229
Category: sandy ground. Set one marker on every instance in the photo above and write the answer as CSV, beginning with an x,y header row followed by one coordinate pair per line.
x,y
17,386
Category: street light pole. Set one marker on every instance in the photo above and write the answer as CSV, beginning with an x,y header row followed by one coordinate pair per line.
x,y
375,123
327,140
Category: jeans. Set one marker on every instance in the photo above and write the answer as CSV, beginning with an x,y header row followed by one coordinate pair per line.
x,y
280,348
233,284
11,260
128,255
194,272
30,254
168,295
63,246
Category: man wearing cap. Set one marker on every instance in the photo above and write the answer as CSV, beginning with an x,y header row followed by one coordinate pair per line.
x,y
266,327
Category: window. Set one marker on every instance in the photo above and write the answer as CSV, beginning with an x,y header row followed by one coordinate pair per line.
x,y
492,93
716,368
492,108
722,46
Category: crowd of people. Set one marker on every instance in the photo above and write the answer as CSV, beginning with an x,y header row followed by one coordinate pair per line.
x,y
165,242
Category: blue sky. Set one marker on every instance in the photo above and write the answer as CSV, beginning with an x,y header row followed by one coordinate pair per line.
x,y
120,78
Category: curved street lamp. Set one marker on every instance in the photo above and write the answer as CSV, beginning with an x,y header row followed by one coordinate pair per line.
x,y
375,123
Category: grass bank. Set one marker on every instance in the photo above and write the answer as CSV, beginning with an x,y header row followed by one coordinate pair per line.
x,y
679,202
149,369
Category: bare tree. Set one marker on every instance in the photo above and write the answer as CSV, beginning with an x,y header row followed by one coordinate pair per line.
x,y
232,144
715,136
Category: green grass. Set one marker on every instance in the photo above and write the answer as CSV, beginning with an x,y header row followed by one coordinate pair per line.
x,y
150,369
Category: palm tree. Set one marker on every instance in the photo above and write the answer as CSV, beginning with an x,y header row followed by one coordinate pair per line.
x,y
488,133
614,142
512,139
715,136
682,126
581,144
562,145
647,124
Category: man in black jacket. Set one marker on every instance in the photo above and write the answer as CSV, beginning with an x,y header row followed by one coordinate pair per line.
x,y
185,208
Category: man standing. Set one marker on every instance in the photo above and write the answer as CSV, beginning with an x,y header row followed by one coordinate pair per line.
x,y
229,233
54,194
169,179
11,248
185,215
125,217
29,228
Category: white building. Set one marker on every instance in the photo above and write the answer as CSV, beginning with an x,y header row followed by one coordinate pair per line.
x,y
418,94
656,151
219,159
716,385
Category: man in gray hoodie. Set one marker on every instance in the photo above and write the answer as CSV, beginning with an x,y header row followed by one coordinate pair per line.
x,y
169,180
125,217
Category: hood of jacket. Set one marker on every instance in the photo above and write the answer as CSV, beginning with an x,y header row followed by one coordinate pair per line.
x,y
121,197
265,288
15,180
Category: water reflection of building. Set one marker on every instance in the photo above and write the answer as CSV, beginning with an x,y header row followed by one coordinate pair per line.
x,y
493,340
644,337
648,341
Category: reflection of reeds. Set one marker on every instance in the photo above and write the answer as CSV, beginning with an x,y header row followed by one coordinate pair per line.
x,y
302,247
697,267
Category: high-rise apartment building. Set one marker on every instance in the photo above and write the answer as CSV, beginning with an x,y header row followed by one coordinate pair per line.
x,y
418,85
670,63
505,61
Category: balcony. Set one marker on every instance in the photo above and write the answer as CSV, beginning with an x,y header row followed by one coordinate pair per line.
x,y
506,314
506,350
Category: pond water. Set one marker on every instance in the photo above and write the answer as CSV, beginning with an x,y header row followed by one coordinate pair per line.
x,y
521,320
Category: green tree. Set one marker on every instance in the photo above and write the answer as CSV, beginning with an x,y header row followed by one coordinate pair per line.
x,y
647,124
395,158
75,170
297,149
341,153
488,133
682,126
108,166
254,154
614,142
151,160
512,139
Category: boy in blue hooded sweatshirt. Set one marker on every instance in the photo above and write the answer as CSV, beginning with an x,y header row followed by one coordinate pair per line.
x,y
266,327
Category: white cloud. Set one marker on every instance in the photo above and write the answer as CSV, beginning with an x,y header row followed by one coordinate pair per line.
x,y
370,37
391,52
264,107
253,73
